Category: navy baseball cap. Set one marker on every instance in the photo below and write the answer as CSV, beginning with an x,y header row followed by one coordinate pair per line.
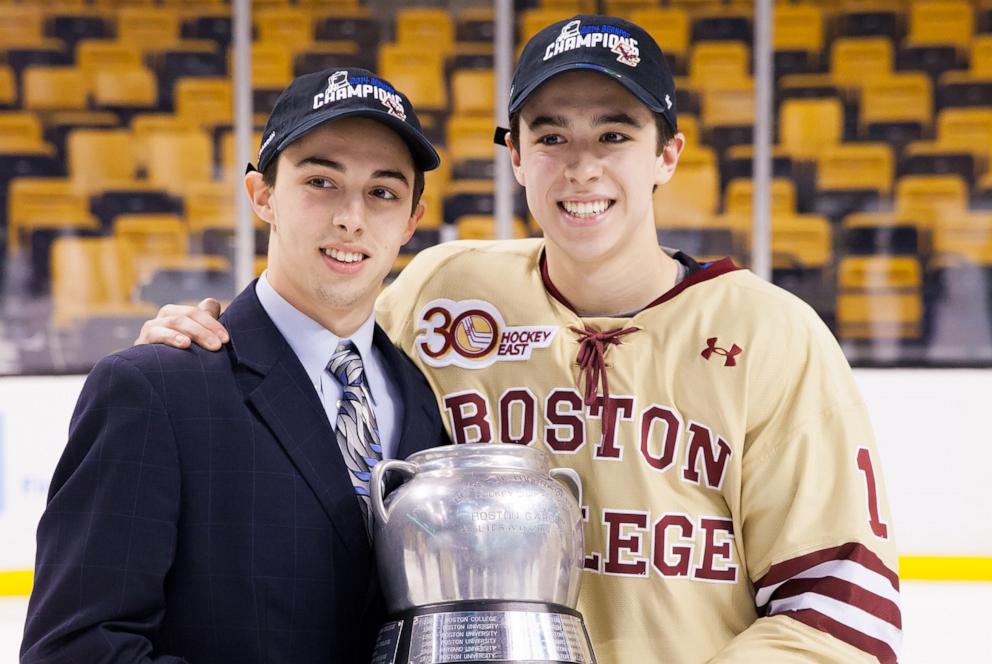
x,y
611,46
333,94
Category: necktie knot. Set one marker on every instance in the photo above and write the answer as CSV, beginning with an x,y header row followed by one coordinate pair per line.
x,y
346,365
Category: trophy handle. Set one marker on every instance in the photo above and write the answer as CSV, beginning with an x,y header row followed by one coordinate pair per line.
x,y
377,486
570,478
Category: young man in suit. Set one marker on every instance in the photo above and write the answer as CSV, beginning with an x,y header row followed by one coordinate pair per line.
x,y
212,507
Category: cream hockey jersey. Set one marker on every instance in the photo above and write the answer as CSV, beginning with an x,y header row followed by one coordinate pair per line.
x,y
734,509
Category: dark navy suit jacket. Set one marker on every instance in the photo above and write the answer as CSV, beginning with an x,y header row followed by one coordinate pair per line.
x,y
201,511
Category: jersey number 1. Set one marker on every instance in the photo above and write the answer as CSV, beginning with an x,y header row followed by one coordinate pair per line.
x,y
864,465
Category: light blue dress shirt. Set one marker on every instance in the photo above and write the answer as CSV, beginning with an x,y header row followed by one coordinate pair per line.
x,y
314,344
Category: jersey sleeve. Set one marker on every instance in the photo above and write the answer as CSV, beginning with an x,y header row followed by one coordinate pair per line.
x,y
816,532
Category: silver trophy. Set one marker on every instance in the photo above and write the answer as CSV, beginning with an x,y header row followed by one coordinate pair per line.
x,y
480,556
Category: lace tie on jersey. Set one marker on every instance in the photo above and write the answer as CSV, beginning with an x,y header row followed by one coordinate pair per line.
x,y
592,366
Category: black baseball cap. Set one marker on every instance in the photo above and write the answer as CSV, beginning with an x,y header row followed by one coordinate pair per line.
x,y
611,46
333,94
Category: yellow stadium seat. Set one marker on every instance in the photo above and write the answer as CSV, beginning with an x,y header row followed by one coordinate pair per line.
x,y
436,182
151,235
290,26
799,27
148,28
417,71
714,64
855,166
968,237
801,240
101,159
144,125
54,88
730,104
856,60
807,125
402,56
473,92
8,87
18,130
427,27
627,9
470,138
96,55
207,101
534,20
91,277
941,22
981,57
230,170
932,200
690,198
433,208
209,205
740,196
123,88
425,87
689,126
879,297
669,26
966,128
21,24
177,159
899,98
35,203
271,65
483,227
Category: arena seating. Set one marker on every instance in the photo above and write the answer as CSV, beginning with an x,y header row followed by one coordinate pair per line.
x,y
115,134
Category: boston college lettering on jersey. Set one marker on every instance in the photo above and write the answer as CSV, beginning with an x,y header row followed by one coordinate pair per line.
x,y
732,505
659,430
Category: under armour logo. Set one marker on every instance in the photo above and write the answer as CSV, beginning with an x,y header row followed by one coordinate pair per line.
x,y
728,355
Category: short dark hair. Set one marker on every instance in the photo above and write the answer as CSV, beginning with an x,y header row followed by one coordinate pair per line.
x,y
665,131
270,172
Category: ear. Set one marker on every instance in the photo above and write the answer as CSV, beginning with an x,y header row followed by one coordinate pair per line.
x,y
668,159
411,224
260,195
518,172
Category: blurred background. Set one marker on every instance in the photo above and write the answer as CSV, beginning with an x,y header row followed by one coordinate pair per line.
x,y
839,148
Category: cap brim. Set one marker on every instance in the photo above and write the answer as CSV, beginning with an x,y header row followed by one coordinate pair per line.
x,y
634,88
425,157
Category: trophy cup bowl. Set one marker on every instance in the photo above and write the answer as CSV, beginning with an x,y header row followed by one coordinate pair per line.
x,y
480,555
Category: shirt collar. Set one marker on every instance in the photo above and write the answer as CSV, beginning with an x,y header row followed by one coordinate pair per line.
x,y
312,342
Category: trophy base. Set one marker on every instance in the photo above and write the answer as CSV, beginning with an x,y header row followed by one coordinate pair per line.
x,y
485,631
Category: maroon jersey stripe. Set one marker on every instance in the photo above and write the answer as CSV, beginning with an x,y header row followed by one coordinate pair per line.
x,y
843,591
851,551
859,640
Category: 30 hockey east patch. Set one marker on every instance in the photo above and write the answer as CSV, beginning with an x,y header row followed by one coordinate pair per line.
x,y
472,334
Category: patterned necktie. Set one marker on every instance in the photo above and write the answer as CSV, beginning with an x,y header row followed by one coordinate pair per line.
x,y
357,433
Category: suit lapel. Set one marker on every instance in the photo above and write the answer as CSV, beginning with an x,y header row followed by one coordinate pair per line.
x,y
420,428
286,402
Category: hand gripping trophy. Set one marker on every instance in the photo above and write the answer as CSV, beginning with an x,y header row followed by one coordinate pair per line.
x,y
480,555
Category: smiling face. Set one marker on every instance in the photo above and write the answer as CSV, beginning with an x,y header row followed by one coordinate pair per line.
x,y
588,158
340,209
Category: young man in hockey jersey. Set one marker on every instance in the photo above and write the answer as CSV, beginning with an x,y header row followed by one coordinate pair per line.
x,y
734,507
